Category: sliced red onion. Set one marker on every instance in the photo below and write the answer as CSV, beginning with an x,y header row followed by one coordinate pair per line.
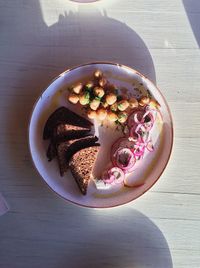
x,y
127,150
140,129
135,117
139,150
136,120
148,125
114,175
138,132
118,174
121,143
153,112
133,134
124,158
107,179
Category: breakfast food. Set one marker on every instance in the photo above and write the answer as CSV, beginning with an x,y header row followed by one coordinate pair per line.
x,y
76,149
69,133
103,100
66,149
81,166
130,148
62,125
64,116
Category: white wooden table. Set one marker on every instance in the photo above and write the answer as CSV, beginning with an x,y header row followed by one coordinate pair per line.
x,y
40,39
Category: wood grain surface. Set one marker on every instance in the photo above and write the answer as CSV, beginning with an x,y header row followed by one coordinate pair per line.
x,y
39,40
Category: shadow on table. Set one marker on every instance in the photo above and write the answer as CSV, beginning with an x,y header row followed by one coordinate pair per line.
x,y
192,8
38,53
88,238
119,237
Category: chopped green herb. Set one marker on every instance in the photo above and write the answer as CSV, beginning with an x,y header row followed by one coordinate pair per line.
x,y
122,115
87,95
97,98
88,88
119,98
120,105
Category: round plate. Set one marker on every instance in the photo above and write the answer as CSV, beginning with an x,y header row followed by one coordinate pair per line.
x,y
147,171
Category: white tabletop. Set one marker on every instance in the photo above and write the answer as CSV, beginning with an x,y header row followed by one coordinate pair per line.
x,y
38,40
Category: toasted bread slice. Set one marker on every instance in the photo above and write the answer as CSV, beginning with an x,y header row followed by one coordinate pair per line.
x,y
63,116
56,140
66,149
81,165
69,131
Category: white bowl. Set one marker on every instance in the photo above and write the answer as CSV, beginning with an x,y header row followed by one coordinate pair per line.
x,y
149,170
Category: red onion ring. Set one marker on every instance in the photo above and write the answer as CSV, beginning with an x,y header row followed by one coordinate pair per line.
x,y
111,178
131,160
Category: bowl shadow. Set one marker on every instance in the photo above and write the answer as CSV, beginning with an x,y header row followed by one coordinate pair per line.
x,y
128,239
192,9
88,238
43,52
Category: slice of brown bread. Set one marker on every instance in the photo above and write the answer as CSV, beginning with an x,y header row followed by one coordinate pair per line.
x,y
51,151
69,131
56,140
81,165
66,149
64,116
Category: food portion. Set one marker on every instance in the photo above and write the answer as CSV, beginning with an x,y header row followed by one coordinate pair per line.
x,y
62,125
130,148
66,149
75,148
102,100
65,117
81,166
69,133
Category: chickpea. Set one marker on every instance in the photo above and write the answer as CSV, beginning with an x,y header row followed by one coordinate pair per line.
x,y
99,92
133,103
89,85
98,74
77,88
105,104
123,105
73,98
144,101
111,98
114,107
154,104
84,98
112,116
122,117
91,114
102,82
94,104
101,113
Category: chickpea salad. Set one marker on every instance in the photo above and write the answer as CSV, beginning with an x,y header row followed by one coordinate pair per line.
x,y
103,100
